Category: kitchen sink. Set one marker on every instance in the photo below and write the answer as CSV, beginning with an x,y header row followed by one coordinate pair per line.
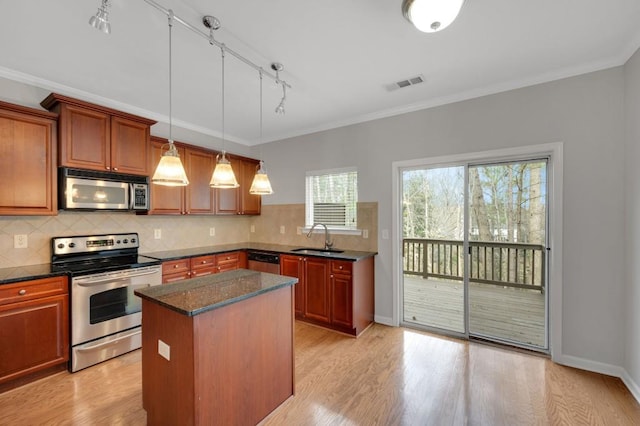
x,y
311,250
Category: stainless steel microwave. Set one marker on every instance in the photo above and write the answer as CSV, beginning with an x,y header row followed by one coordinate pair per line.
x,y
94,190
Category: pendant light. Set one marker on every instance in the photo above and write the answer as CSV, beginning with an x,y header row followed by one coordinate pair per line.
x,y
100,20
170,171
261,184
430,16
223,176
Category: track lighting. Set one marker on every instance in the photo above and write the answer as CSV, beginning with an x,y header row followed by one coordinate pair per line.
x,y
100,20
277,67
261,184
223,176
170,171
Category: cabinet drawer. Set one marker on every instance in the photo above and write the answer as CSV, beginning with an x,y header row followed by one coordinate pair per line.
x,y
171,278
225,258
28,290
203,262
341,266
175,266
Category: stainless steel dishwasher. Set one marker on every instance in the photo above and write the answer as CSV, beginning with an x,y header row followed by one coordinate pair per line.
x,y
264,261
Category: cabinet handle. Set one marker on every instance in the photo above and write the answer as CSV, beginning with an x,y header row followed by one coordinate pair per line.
x,y
176,266
340,267
189,274
228,258
22,292
331,276
203,262
107,167
115,168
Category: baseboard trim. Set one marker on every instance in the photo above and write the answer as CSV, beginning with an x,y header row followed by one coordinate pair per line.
x,y
384,320
631,385
589,365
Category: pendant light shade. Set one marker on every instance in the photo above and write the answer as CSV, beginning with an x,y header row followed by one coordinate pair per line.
x,y
170,171
430,16
223,176
261,184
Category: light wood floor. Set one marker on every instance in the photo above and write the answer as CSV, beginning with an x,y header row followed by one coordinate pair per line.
x,y
506,313
388,376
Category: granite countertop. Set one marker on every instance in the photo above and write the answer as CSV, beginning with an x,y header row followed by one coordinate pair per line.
x,y
27,273
271,248
197,295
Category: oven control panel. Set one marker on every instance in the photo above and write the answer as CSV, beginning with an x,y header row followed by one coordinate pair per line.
x,y
93,243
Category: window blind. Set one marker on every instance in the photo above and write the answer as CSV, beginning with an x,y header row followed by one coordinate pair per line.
x,y
331,198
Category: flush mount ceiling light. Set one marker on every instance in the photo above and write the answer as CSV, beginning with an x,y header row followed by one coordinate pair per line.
x,y
223,176
261,184
277,67
100,20
430,16
170,171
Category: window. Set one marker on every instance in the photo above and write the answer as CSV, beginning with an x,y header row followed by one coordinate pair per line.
x,y
331,199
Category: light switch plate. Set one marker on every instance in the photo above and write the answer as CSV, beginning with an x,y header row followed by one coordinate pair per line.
x,y
282,229
157,233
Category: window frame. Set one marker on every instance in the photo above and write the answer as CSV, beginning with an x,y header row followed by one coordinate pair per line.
x,y
309,202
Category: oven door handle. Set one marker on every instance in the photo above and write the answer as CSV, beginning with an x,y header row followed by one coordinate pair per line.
x,y
110,342
87,282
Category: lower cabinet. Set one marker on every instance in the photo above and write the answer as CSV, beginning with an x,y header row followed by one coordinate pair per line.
x,y
336,294
198,266
34,329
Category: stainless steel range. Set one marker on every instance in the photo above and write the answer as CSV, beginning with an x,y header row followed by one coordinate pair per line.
x,y
105,314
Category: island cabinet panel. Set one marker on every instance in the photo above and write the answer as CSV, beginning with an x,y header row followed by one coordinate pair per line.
x,y
100,138
228,366
27,161
336,294
34,330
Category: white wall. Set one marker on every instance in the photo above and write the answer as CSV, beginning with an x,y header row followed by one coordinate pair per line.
x,y
632,189
584,112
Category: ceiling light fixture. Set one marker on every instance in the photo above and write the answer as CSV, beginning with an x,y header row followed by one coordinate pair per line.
x,y
100,20
170,171
261,184
430,16
277,67
223,176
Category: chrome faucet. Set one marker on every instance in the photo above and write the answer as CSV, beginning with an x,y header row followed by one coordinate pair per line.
x,y
327,242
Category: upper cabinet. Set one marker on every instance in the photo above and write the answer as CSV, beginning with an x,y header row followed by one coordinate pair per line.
x,y
198,197
28,161
98,138
238,200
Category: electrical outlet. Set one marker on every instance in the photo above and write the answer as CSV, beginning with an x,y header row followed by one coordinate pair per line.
x,y
253,228
157,233
299,230
20,241
365,233
282,229
385,234
212,231
164,350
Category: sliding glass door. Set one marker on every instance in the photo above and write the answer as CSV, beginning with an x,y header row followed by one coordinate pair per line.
x,y
474,240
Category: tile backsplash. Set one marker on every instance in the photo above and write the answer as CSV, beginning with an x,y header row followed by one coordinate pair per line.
x,y
177,232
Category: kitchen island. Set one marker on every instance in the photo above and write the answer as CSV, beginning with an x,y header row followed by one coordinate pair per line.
x,y
217,349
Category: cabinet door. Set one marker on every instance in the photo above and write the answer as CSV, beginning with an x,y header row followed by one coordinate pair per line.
x,y
129,146
228,261
341,300
227,201
198,194
176,270
164,199
27,164
84,138
317,289
291,266
34,335
250,204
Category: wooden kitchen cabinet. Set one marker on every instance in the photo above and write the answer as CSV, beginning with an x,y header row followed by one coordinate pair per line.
x,y
195,198
198,266
99,138
28,146
34,329
336,294
239,200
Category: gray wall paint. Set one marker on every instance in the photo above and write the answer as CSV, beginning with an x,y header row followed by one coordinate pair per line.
x,y
584,112
632,189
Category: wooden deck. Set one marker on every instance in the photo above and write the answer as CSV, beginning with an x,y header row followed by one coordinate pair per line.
x,y
505,313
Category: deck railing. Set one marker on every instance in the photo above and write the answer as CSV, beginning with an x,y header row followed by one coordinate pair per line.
x,y
506,264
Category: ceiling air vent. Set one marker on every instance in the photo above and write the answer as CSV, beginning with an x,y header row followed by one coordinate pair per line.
x,y
406,83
